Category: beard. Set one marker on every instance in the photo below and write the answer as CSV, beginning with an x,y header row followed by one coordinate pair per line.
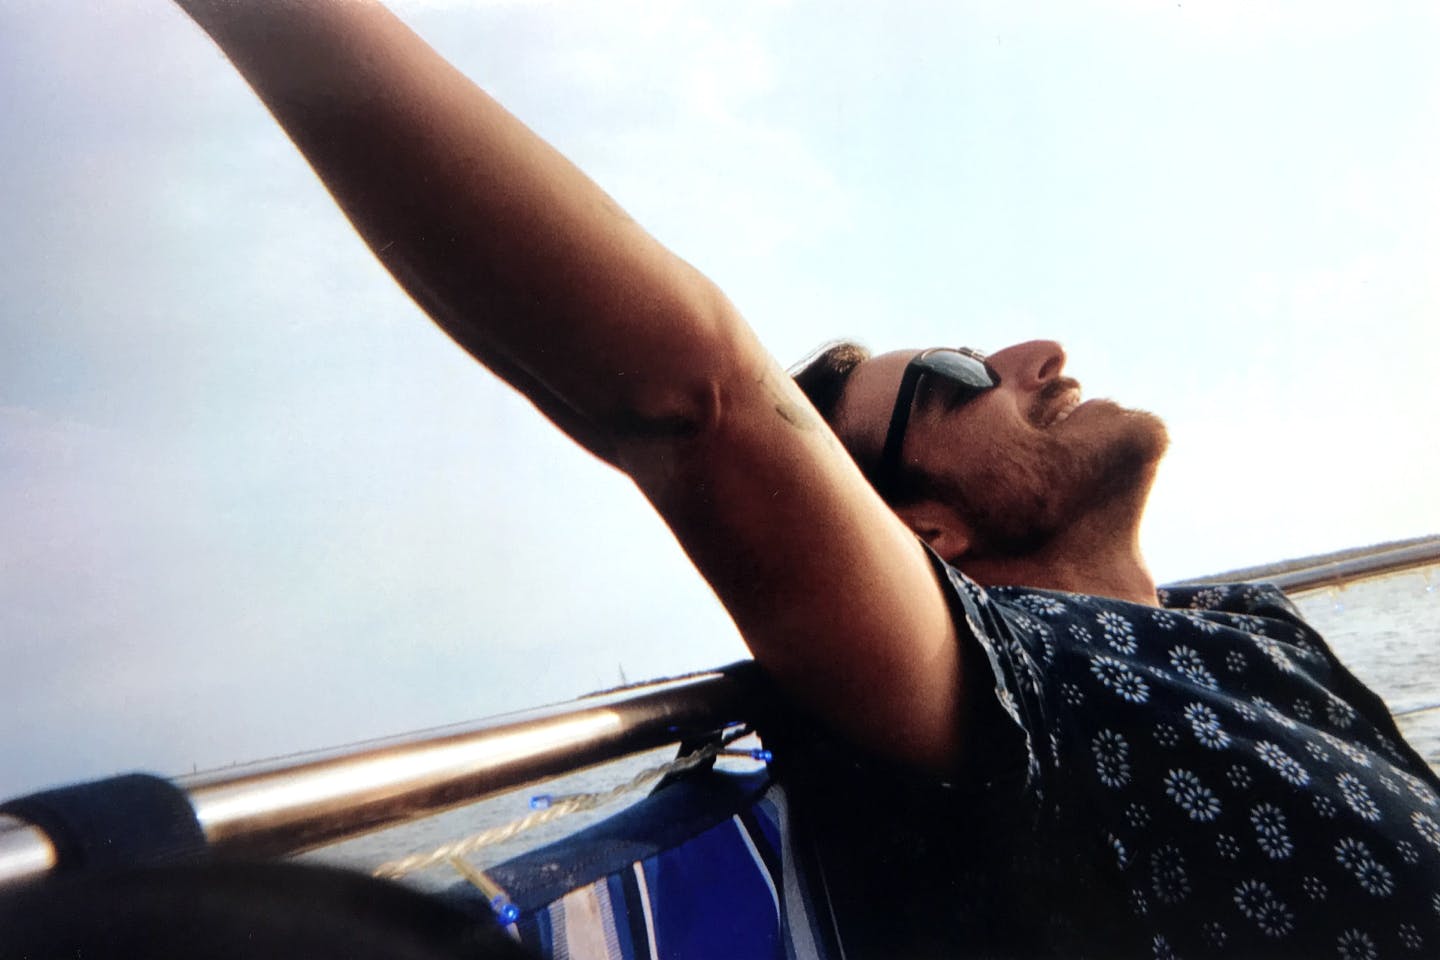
x,y
1037,485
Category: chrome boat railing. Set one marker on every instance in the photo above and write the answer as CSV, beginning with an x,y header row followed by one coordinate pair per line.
x,y
1334,569
294,803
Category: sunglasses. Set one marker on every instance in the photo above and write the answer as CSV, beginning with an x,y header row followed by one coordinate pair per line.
x,y
966,369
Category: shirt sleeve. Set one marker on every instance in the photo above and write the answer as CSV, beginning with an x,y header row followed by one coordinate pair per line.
x,y
1003,652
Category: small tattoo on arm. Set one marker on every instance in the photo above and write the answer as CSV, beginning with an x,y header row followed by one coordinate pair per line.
x,y
796,415
799,415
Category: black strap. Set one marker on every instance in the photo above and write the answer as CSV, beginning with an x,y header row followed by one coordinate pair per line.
x,y
127,820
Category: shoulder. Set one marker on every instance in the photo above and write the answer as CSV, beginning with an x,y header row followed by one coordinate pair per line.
x,y
1257,599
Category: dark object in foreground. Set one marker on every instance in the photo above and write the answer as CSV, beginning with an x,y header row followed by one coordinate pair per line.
x,y
239,911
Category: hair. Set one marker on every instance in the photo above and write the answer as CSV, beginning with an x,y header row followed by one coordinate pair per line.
x,y
823,375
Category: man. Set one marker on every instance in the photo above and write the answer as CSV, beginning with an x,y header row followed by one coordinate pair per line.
x,y
1218,772
1046,774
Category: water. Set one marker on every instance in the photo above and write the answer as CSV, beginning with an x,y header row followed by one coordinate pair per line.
x,y
367,852
1386,630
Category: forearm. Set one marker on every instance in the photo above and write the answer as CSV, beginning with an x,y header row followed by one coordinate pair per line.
x,y
511,249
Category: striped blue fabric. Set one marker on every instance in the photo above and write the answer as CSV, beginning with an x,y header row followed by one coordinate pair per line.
x,y
716,879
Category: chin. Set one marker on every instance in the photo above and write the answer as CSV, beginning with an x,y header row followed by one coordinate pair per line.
x,y
1126,435
1148,435
1127,457
1102,464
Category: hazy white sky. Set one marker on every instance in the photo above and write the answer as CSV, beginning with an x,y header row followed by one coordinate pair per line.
x,y
251,502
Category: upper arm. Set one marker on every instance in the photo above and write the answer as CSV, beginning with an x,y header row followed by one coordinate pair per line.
x,y
834,595
534,270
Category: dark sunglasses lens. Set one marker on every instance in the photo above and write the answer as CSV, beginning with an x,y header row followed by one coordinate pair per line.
x,y
963,369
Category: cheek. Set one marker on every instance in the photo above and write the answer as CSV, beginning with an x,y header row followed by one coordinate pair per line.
x,y
1026,474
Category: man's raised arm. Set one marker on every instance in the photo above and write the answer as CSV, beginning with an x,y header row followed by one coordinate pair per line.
x,y
537,273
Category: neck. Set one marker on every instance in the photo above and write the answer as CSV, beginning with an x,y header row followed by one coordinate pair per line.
x,y
1100,557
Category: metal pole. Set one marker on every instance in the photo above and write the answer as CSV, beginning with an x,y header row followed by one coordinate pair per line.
x,y
292,804
1347,568
1359,568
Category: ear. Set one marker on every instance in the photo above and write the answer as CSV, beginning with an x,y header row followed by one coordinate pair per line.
x,y
940,526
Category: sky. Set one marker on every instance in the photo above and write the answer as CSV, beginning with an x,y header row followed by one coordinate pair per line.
x,y
252,502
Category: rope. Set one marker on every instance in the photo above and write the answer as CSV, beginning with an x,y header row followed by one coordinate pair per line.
x,y
559,807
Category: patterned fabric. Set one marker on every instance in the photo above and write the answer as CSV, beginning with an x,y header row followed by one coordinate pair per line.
x,y
700,870
1211,777
664,906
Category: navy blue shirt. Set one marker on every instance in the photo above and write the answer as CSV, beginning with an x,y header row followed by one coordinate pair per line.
x,y
1204,780
1216,768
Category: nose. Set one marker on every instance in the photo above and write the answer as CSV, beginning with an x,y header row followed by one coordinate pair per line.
x,y
1029,365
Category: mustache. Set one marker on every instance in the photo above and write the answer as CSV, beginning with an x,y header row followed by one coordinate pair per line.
x,y
1048,394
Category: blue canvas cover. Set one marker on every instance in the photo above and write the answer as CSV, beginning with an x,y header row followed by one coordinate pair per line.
x,y
705,868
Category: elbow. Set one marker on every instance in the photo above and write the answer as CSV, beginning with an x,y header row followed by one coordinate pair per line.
x,y
680,393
